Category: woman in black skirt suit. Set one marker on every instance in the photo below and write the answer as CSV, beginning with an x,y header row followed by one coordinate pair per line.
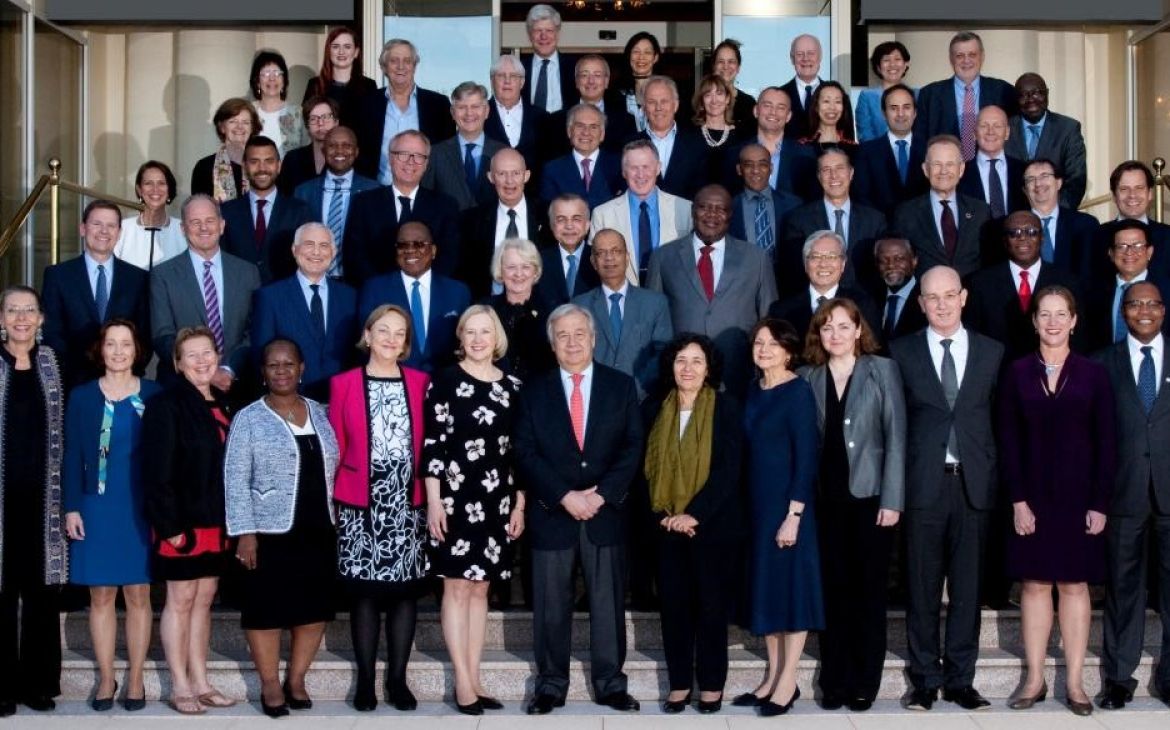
x,y
278,475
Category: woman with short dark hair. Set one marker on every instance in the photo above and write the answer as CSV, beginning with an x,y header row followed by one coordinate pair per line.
x,y
152,236
280,121
221,174
890,62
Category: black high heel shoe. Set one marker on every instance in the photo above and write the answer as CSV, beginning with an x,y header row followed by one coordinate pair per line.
x,y
673,707
490,703
292,702
364,700
274,711
475,708
104,704
770,709
707,707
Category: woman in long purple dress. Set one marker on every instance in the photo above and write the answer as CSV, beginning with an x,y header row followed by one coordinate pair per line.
x,y
1058,453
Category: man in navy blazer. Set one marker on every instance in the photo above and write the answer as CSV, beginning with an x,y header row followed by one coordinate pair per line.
x,y
587,160
414,107
435,302
312,310
991,132
879,183
557,90
1067,234
271,248
1038,132
896,297
80,295
571,256
512,119
340,182
758,211
375,215
940,103
578,443
793,166
1132,186
592,78
681,150
459,166
1131,255
805,54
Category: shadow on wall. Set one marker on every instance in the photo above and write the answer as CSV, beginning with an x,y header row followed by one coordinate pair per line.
x,y
187,98
106,148
298,81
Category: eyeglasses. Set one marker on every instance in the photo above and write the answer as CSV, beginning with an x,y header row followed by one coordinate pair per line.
x,y
1134,305
30,311
822,256
1028,93
1042,177
510,77
1030,232
411,245
417,158
1124,248
320,118
271,74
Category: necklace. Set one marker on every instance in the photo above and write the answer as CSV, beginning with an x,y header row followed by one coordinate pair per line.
x,y
711,141
288,415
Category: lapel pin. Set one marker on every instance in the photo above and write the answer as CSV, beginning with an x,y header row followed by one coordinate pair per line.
x,y
967,215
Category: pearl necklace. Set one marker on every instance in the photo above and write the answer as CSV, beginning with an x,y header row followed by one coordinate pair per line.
x,y
711,140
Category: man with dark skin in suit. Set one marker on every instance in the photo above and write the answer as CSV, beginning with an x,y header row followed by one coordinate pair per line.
x,y
896,263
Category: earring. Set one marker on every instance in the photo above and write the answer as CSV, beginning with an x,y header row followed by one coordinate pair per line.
x,y
3,335
40,335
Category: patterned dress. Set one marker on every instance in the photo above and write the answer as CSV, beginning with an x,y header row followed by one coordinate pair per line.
x,y
467,446
385,543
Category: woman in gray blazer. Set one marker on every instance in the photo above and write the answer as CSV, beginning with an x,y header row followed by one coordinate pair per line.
x,y
279,468
862,420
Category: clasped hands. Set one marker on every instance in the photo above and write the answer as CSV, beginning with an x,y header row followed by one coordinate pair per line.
x,y
683,523
582,504
1024,520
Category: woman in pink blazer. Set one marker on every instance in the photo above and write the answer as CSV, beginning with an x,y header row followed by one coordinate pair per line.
x,y
377,413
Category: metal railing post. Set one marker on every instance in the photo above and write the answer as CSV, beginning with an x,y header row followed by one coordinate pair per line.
x,y
1159,166
54,210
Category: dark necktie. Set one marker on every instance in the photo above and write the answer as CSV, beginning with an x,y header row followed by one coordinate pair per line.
x,y
995,191
512,231
950,232
405,200
645,240
891,316
839,223
540,99
1033,140
571,274
615,315
706,269
967,120
903,159
261,229
1147,383
950,386
101,297
1047,248
469,171
807,97
586,175
317,309
765,234
1119,329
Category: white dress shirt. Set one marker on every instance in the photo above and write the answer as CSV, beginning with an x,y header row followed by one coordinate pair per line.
x,y
960,345
586,392
1033,274
720,247
502,220
552,99
624,291
592,157
984,164
664,145
814,295
424,291
832,218
398,203
1135,357
512,120
270,197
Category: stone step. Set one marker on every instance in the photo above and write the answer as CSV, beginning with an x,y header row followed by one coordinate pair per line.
x,y
512,631
508,675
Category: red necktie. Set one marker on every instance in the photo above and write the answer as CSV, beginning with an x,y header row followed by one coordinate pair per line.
x,y
1025,292
585,173
577,410
968,119
950,232
261,229
707,271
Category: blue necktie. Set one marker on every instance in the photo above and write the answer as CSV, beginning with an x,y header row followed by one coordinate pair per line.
x,y
1119,329
101,297
645,243
903,159
469,166
1033,140
571,274
1047,249
336,222
891,316
1147,383
416,316
615,315
540,98
317,309
765,235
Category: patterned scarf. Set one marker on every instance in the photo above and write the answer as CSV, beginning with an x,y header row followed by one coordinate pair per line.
x,y
223,180
104,437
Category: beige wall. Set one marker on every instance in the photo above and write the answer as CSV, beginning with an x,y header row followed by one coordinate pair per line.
x,y
153,92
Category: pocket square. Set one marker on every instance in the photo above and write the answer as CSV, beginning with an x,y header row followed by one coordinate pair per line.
x,y
452,313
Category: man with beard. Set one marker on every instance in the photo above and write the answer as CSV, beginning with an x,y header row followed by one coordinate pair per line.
x,y
897,297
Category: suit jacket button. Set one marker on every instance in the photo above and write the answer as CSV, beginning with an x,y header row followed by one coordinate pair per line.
x,y
851,444
846,421
584,464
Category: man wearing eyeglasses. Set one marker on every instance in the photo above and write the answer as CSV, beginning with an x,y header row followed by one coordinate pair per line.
x,y
1131,253
1066,235
375,216
433,300
1038,133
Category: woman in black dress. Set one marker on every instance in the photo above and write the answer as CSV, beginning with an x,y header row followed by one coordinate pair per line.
x,y
279,468
474,511
32,555
184,429
340,77
516,265
727,60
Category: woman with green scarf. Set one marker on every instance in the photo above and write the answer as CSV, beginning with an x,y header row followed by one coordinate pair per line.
x,y
692,470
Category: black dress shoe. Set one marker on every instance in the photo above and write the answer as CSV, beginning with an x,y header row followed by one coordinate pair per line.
x,y
1115,696
365,701
966,697
673,707
7,707
104,704
1080,709
40,703
133,704
621,701
490,703
292,702
922,699
402,699
475,708
710,707
768,708
859,704
747,699
274,711
544,704
832,701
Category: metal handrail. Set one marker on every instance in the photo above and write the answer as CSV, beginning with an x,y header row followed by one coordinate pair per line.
x,y
52,180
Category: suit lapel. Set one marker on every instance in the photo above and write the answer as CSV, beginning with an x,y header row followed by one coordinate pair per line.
x,y
80,276
732,270
302,307
188,279
686,256
438,302
1162,401
600,309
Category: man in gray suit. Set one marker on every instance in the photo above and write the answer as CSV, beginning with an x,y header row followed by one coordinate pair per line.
x,y
206,287
716,285
1140,506
949,376
1038,133
633,323
459,165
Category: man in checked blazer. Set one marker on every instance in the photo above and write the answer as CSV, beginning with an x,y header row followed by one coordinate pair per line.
x,y
180,294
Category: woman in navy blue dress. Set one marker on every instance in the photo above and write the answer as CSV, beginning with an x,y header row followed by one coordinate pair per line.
x,y
785,581
103,500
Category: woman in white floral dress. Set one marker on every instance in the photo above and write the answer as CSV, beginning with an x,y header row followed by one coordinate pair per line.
x,y
473,509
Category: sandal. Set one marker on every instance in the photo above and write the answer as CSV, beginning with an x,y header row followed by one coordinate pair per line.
x,y
215,698
186,705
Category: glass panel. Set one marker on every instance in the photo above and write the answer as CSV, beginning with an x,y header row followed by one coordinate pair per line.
x,y
58,115
1152,94
12,182
453,37
766,29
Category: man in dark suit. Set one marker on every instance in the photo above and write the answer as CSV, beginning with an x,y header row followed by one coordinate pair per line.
x,y
260,225
716,285
568,266
805,54
513,215
793,165
552,87
1038,133
944,226
889,168
321,115
992,176
758,211
413,107
825,261
578,445
592,79
1000,296
312,310
950,106
374,216
681,150
858,225
897,297
459,166
588,170
78,296
434,301
512,119
1131,254
949,375
1066,234
1138,530
329,196
1132,185
206,286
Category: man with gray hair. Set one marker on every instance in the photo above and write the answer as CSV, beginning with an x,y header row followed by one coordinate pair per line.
x,y
806,55
459,165
578,444
552,81
589,170
825,258
512,119
681,150
592,79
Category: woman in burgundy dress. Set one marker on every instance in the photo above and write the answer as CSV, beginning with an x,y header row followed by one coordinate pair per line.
x,y
1058,453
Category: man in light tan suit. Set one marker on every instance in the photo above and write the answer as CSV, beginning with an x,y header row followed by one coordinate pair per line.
x,y
645,216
